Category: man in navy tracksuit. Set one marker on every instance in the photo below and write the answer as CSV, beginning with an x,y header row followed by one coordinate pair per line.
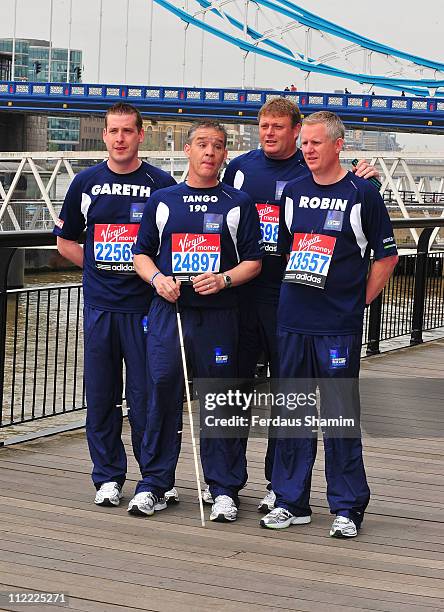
x,y
108,200
263,174
330,221
196,241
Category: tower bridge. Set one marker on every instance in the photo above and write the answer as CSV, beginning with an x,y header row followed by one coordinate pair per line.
x,y
361,111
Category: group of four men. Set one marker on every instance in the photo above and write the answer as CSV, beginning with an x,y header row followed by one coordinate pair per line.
x,y
196,242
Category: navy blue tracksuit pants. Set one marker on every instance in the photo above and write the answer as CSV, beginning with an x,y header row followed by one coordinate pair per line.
x,y
109,339
208,332
257,334
325,358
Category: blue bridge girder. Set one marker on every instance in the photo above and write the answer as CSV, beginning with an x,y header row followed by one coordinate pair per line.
x,y
361,111
414,86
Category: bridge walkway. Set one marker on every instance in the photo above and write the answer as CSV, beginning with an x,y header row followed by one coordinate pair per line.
x,y
53,538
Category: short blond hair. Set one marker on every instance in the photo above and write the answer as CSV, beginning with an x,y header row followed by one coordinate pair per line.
x,y
333,125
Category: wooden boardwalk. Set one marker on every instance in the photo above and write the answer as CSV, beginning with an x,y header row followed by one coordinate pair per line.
x,y
53,538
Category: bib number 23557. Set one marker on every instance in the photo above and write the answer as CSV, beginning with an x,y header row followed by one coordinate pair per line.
x,y
194,254
310,259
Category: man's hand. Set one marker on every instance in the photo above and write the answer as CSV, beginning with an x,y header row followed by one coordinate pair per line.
x,y
365,170
208,283
167,287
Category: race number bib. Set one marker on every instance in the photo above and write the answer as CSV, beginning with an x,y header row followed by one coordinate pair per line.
x,y
269,218
310,259
113,247
193,254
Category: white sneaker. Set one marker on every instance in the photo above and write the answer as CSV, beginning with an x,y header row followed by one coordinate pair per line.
x,y
224,510
343,527
207,498
146,503
109,494
281,518
172,496
267,504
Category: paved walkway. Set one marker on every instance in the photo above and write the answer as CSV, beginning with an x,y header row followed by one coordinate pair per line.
x,y
53,539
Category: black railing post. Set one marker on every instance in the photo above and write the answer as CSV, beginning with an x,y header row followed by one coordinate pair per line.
x,y
420,285
6,254
374,326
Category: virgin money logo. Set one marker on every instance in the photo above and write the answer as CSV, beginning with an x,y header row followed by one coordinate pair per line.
x,y
114,233
305,243
268,213
316,243
191,244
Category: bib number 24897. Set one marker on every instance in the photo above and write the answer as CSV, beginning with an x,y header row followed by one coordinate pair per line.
x,y
194,254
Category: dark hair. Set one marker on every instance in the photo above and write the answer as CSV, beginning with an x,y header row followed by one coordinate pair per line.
x,y
206,123
280,107
122,108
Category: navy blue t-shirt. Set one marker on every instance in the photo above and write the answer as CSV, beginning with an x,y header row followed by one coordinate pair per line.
x,y
188,231
110,206
264,179
329,231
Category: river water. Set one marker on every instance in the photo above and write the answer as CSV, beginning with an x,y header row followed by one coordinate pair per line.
x,y
44,348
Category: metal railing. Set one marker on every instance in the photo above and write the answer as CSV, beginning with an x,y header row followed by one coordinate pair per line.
x,y
41,342
430,198
33,185
41,333
43,355
413,299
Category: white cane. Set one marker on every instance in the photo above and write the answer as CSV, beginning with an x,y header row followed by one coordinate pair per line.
x,y
190,414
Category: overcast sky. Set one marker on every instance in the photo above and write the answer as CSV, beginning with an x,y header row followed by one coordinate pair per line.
x,y
398,23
